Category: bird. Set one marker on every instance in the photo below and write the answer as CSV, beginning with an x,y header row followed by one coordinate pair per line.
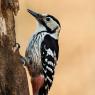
x,y
42,52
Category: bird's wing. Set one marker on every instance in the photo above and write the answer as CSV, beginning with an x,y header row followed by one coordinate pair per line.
x,y
49,52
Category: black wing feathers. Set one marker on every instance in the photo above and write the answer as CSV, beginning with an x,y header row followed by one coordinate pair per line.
x,y
48,62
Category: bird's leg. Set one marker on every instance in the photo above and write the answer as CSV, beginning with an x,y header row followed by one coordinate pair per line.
x,y
23,60
16,51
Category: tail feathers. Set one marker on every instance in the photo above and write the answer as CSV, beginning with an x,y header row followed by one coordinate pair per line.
x,y
47,84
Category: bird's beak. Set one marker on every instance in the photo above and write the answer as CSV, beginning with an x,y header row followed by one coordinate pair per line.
x,y
38,16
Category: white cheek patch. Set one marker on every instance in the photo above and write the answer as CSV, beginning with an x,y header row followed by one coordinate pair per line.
x,y
52,24
2,26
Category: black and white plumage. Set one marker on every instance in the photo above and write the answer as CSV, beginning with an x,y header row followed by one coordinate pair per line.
x,y
42,51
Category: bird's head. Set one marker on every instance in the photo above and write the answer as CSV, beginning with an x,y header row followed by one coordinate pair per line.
x,y
48,21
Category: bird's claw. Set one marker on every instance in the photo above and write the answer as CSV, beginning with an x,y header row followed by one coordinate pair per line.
x,y
16,47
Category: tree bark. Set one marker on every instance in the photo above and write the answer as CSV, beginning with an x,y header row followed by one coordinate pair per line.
x,y
13,79
10,8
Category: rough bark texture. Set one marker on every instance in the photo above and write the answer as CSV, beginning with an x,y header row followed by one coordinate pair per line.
x,y
10,8
13,79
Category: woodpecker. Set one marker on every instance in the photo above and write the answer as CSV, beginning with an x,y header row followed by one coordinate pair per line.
x,y
42,52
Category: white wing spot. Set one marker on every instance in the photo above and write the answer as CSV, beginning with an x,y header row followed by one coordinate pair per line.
x,y
49,52
46,60
49,69
50,63
49,79
44,70
46,87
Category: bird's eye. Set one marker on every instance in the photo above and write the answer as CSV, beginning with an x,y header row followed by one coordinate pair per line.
x,y
47,19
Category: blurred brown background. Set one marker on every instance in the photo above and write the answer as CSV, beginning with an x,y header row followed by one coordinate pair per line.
x,y
75,72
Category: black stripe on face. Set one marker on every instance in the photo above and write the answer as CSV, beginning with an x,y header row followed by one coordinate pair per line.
x,y
54,19
44,24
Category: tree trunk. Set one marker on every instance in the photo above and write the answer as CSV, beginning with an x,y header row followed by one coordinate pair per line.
x,y
13,79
